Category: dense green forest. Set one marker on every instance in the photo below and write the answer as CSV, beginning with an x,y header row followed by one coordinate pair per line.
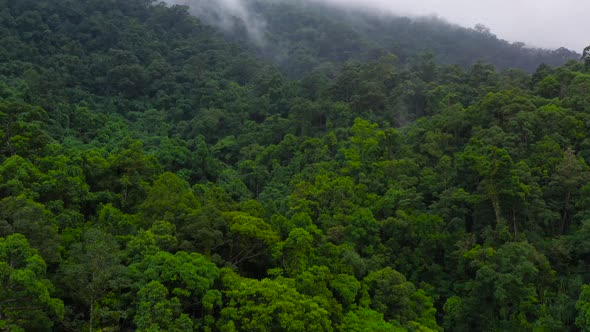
x,y
158,176
307,35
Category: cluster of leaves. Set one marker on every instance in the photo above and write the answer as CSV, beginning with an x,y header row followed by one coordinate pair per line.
x,y
154,177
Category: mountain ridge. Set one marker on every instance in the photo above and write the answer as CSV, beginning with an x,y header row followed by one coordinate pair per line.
x,y
288,32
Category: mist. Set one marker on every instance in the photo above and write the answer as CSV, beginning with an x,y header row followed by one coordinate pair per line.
x,y
223,14
538,23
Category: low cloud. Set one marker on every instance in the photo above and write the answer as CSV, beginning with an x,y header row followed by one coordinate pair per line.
x,y
538,23
227,14
541,23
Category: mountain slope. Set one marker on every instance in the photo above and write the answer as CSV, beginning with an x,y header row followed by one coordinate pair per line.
x,y
306,35
155,176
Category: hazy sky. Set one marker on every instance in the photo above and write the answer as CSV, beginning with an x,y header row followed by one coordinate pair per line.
x,y
544,23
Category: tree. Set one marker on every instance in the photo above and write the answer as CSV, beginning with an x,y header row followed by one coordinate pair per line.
x,y
294,253
346,289
586,57
251,238
577,93
19,177
129,171
92,270
481,28
417,246
364,319
156,312
182,283
24,216
170,199
569,176
549,87
398,299
583,308
25,292
22,131
506,288
267,305
496,181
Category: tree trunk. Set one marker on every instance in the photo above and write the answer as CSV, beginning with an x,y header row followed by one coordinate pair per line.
x,y
497,210
565,216
91,315
514,220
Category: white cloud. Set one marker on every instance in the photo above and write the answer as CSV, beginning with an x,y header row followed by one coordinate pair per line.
x,y
539,23
544,23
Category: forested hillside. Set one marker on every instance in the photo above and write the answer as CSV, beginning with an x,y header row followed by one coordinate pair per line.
x,y
155,176
308,35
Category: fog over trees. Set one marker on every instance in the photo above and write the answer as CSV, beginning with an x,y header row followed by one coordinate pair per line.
x,y
314,35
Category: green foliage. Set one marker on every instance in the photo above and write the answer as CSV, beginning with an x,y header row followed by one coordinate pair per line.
x,y
398,300
156,313
269,305
92,272
586,56
364,319
583,308
24,216
26,302
156,175
511,279
169,199
172,288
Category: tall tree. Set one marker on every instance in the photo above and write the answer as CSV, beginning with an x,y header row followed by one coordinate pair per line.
x,y
26,301
92,270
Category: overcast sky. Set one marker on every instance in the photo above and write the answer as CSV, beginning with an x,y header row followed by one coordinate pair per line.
x,y
544,23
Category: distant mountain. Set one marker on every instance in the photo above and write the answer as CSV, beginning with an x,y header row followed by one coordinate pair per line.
x,y
303,36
